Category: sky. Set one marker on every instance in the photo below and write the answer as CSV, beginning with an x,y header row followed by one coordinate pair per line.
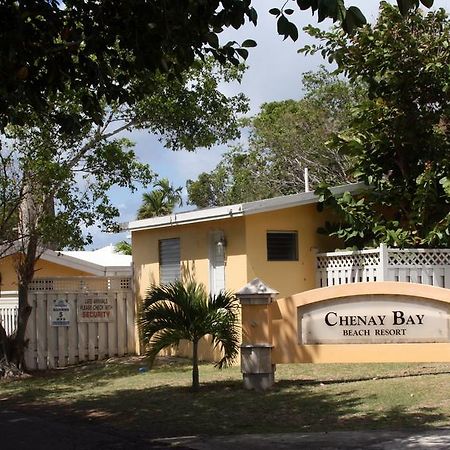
x,y
274,73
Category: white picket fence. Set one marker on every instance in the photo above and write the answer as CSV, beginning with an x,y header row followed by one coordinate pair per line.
x,y
421,266
8,311
57,344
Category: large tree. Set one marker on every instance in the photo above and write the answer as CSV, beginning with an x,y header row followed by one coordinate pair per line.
x,y
285,138
96,46
400,136
63,174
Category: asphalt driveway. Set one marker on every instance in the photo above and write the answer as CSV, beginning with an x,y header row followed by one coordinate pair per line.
x,y
21,430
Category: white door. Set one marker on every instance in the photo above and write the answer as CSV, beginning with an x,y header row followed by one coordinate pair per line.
x,y
217,246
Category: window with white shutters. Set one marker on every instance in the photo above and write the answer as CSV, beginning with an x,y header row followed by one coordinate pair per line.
x,y
169,260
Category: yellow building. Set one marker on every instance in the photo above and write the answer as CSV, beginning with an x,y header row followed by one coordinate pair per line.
x,y
225,247
64,264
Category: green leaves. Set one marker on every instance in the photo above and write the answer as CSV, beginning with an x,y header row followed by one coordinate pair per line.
x,y
175,311
287,28
354,19
98,48
398,137
284,137
249,43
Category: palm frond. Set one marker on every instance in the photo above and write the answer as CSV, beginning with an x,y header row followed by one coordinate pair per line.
x,y
175,311
161,340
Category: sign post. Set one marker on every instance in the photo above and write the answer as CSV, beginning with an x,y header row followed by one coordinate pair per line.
x,y
257,368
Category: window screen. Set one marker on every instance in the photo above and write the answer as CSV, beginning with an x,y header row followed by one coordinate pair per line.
x,y
282,246
169,260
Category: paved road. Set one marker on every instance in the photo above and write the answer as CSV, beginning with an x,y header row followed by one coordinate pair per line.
x,y
338,440
23,431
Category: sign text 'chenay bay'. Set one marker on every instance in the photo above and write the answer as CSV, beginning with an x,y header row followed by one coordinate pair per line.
x,y
382,319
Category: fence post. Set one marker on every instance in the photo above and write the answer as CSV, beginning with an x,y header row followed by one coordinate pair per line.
x,y
384,263
447,277
257,369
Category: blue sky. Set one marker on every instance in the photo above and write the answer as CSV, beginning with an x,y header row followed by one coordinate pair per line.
x,y
274,73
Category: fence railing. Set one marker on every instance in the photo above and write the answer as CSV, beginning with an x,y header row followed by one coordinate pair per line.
x,y
421,266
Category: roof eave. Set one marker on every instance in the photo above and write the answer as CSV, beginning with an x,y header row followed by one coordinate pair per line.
x,y
237,210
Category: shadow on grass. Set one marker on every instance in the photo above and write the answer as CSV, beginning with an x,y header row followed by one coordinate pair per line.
x,y
49,384
226,408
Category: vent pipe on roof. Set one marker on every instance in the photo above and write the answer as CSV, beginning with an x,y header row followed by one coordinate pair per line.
x,y
306,179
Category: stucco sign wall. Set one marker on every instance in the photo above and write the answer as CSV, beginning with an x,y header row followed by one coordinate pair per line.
x,y
351,323
381,319
359,322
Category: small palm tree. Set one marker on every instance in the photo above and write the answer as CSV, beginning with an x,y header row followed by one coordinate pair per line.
x,y
175,311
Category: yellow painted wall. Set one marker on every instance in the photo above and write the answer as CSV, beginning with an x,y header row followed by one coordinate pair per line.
x,y
194,253
44,269
246,250
287,277
9,278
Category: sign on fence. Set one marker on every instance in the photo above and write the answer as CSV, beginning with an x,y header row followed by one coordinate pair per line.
x,y
96,308
80,319
60,313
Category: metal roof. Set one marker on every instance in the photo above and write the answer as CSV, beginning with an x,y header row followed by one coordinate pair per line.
x,y
237,210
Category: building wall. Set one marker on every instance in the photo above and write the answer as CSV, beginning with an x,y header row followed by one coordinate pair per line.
x,y
44,269
246,254
287,277
194,253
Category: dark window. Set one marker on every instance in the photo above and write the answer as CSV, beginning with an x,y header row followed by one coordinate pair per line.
x,y
282,246
169,260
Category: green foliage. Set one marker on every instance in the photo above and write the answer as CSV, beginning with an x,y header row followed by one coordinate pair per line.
x,y
10,199
190,111
75,165
399,136
96,47
57,170
160,201
65,184
285,137
175,311
349,19
123,247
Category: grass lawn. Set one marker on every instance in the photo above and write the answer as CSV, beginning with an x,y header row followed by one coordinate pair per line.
x,y
306,397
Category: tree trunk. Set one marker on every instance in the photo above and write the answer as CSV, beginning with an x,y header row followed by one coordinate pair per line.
x,y
195,375
18,342
25,273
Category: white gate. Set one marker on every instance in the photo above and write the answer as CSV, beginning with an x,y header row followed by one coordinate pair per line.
x,y
79,319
